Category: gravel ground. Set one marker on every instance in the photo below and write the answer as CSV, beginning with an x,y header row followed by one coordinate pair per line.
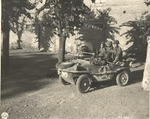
x,y
31,90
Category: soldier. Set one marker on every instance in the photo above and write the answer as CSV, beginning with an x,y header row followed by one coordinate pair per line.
x,y
102,50
117,52
99,58
109,51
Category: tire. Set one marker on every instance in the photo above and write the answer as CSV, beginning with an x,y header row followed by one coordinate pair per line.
x,y
122,78
83,84
63,81
64,65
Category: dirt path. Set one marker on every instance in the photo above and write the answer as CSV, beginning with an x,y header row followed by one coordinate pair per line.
x,y
31,90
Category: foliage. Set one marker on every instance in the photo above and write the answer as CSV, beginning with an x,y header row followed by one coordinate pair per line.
x,y
147,2
98,27
65,15
44,31
13,9
140,29
18,28
108,30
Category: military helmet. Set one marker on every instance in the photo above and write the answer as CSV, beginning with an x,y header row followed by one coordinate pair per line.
x,y
116,42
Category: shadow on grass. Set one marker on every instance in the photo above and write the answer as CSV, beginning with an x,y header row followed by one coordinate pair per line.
x,y
27,73
102,85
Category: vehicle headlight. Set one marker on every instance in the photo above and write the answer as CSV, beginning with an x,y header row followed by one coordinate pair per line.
x,y
64,74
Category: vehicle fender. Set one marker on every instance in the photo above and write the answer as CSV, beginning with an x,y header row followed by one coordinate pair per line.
x,y
123,69
120,70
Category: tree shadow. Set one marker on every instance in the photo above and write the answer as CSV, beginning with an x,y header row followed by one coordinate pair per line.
x,y
101,85
28,73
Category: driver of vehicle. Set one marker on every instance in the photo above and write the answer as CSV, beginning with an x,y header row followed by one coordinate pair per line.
x,y
102,50
117,52
99,58
101,55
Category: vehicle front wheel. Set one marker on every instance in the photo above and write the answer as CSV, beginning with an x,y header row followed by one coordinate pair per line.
x,y
63,81
83,84
122,78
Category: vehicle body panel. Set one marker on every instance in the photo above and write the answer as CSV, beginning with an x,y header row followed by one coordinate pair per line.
x,y
97,73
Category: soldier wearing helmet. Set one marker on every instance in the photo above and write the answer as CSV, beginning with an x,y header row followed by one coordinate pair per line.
x,y
117,52
109,51
99,57
102,50
101,54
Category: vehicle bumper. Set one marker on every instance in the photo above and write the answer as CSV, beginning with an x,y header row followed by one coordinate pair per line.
x,y
68,77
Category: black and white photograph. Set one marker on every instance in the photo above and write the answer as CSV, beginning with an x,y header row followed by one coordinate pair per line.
x,y
75,59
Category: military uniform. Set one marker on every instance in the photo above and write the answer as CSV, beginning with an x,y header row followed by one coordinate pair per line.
x,y
99,58
117,53
109,52
102,52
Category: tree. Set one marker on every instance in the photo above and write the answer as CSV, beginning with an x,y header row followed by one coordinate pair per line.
x,y
108,30
65,15
11,11
91,31
18,29
137,35
146,74
147,2
44,31
100,27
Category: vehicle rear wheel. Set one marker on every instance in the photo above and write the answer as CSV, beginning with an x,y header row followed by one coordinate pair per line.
x,y
83,84
63,81
122,78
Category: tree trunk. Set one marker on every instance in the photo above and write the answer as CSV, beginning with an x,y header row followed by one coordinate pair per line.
x,y
146,76
61,52
39,37
19,41
5,52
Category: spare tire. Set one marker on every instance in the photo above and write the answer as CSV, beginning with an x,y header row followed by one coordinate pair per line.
x,y
64,65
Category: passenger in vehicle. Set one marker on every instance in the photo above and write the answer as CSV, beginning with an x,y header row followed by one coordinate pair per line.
x,y
117,52
109,51
102,50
